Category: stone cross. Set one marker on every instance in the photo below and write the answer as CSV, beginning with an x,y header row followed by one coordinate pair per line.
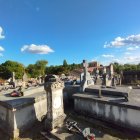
x,y
86,81
85,65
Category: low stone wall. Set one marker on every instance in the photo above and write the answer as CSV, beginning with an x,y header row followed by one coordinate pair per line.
x,y
120,114
19,114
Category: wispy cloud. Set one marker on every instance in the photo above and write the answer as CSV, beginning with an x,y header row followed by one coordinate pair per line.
x,y
37,49
128,59
107,55
132,41
133,48
1,33
1,49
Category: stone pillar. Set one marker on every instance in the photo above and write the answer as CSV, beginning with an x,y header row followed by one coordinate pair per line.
x,y
13,80
55,113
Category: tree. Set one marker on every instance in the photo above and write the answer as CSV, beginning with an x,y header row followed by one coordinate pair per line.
x,y
8,67
65,64
41,65
32,71
37,69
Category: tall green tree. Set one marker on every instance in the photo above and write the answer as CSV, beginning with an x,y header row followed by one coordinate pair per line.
x,y
32,71
37,69
41,65
65,64
8,67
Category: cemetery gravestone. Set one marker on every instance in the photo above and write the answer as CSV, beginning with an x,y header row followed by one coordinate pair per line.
x,y
86,80
54,91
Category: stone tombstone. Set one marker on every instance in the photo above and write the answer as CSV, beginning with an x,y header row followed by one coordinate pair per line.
x,y
24,80
108,76
104,79
25,77
81,77
87,80
13,76
121,77
111,69
104,70
97,72
13,80
55,110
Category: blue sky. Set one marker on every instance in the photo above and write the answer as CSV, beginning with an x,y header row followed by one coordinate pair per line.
x,y
54,30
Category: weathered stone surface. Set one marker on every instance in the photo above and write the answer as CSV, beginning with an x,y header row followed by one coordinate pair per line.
x,y
113,109
17,114
85,78
55,113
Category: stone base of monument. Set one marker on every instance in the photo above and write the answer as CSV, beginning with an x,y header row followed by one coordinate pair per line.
x,y
52,124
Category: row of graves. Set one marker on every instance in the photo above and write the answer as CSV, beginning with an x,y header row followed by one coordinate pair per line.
x,y
97,97
17,86
105,79
116,106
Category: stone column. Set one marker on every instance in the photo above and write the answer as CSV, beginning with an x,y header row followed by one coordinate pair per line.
x,y
55,113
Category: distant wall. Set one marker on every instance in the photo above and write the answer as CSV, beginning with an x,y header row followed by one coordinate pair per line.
x,y
122,115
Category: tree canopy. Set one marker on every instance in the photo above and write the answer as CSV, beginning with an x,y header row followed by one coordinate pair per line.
x,y
62,69
8,67
126,67
40,68
37,69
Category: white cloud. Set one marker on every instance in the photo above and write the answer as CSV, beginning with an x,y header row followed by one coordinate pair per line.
x,y
1,33
36,49
107,55
133,48
132,40
128,59
1,49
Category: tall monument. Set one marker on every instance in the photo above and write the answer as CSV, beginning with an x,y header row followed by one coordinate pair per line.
x,y
55,109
